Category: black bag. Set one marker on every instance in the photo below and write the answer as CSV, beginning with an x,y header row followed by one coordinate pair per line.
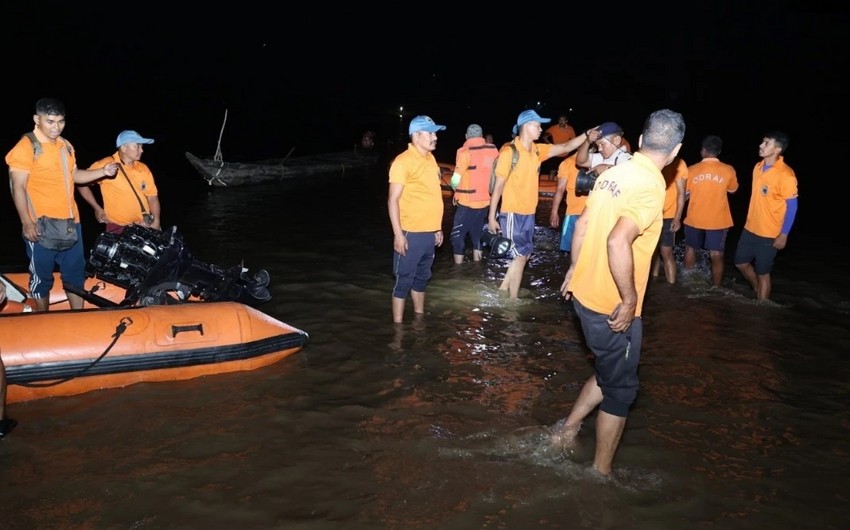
x,y
57,234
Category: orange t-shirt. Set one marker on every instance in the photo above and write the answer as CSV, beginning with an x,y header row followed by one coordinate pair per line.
x,y
119,200
709,183
771,189
673,172
520,195
633,189
568,170
561,134
421,203
50,192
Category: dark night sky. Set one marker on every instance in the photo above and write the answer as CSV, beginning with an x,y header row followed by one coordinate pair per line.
x,y
315,80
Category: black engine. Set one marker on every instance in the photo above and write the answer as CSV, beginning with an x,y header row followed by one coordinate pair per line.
x,y
156,268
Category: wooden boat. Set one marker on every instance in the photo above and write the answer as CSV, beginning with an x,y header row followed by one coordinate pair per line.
x,y
63,352
546,187
222,174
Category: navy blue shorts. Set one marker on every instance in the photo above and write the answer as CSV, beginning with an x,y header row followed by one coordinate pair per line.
x,y
706,239
413,270
71,262
617,356
519,229
468,221
668,238
757,249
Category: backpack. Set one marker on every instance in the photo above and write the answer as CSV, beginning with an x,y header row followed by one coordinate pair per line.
x,y
514,160
36,145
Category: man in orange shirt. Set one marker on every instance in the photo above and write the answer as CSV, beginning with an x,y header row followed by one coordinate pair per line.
x,y
42,181
675,175
471,183
567,173
513,204
709,218
773,207
415,206
132,194
558,133
615,238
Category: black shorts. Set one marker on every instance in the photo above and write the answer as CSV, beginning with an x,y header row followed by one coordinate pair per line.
x,y
617,356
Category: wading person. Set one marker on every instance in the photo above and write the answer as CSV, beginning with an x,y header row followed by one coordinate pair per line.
x,y
773,207
513,204
471,183
709,218
43,171
415,206
131,197
613,244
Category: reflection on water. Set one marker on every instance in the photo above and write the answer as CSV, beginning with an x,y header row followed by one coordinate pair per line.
x,y
444,421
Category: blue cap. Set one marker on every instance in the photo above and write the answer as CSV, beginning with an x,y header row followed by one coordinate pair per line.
x,y
131,137
609,127
527,116
424,123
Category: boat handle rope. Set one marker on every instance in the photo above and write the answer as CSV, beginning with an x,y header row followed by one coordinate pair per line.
x,y
119,330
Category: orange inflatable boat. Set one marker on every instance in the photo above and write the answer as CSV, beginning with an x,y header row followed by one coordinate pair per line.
x,y
63,352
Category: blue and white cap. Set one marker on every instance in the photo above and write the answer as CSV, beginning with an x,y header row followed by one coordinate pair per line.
x,y
424,123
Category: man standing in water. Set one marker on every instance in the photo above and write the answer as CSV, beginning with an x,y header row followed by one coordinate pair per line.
x,y
518,195
773,206
614,241
415,207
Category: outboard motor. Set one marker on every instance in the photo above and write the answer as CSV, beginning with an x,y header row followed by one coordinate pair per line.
x,y
153,265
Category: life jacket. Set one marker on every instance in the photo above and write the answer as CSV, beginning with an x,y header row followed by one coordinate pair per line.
x,y
474,181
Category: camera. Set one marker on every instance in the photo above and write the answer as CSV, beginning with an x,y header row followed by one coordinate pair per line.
x,y
585,181
148,218
498,245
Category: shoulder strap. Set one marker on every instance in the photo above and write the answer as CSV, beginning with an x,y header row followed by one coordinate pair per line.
x,y
141,204
36,150
36,145
514,158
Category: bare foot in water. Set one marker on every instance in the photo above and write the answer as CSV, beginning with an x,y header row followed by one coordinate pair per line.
x,y
564,436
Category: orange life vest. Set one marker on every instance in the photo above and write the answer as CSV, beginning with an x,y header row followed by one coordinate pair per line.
x,y
475,182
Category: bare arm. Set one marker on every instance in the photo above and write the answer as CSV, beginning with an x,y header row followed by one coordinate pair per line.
x,y
156,210
622,266
676,224
554,217
88,195
399,241
583,153
18,182
579,231
495,198
84,176
569,146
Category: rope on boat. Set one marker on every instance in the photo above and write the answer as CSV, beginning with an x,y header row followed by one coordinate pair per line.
x,y
218,156
119,330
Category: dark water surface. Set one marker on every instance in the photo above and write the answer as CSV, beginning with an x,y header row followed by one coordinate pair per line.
x,y
741,422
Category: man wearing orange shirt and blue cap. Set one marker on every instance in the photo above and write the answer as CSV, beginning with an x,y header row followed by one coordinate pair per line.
x,y
415,206
513,203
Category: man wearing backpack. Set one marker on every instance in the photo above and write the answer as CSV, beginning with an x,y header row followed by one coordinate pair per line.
x,y
513,203
473,164
43,171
